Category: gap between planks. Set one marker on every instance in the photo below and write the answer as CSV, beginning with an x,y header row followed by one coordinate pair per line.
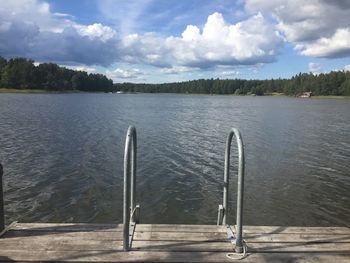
x,y
140,256
86,242
174,236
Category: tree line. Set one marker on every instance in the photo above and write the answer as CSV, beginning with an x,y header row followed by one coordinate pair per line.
x,y
21,73
333,83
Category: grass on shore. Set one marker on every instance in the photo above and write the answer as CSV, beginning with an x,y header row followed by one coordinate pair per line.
x,y
38,91
275,94
330,97
34,91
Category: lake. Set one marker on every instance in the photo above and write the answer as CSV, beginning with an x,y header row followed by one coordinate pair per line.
x,y
63,157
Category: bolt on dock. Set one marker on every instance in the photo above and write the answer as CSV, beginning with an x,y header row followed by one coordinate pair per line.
x,y
135,242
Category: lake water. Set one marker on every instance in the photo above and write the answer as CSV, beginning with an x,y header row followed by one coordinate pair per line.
x,y
63,157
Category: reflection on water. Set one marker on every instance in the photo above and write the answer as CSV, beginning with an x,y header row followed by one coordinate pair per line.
x,y
63,155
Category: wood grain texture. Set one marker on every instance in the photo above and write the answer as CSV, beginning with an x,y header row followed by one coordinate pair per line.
x,y
149,256
172,243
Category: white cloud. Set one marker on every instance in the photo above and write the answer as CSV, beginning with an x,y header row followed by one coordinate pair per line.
x,y
347,67
337,45
246,43
177,70
81,68
146,49
32,12
318,28
191,33
96,31
126,14
302,20
119,73
230,73
256,68
314,67
28,28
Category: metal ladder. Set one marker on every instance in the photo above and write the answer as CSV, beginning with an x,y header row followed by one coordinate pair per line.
x,y
131,210
223,209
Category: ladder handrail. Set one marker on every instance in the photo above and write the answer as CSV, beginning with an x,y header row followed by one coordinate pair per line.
x,y
129,183
240,185
130,208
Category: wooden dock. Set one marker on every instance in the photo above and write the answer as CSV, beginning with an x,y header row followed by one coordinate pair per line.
x,y
78,242
171,243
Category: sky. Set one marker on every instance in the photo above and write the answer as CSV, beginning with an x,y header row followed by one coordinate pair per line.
x,y
156,41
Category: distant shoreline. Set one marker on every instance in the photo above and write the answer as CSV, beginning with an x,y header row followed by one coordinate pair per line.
x,y
330,97
38,91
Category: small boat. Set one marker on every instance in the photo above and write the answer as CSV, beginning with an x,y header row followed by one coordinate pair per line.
x,y
305,95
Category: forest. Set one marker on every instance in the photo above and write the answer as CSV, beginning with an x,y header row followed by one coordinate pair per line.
x,y
21,73
335,83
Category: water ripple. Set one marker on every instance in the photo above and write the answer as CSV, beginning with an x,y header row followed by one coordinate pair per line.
x,y
63,157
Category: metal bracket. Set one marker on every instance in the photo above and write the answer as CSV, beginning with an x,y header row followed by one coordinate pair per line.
x,y
131,232
136,214
231,236
7,228
233,239
221,212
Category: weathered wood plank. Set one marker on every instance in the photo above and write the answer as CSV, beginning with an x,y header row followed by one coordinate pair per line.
x,y
62,242
296,230
140,256
290,238
251,237
179,228
145,227
116,227
59,244
64,245
182,236
254,247
299,247
172,243
67,227
91,235
202,246
246,229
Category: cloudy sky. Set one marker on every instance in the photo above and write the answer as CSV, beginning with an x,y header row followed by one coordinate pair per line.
x,y
173,40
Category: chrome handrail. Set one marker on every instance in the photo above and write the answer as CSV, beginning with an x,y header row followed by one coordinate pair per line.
x,y
131,210
129,205
223,210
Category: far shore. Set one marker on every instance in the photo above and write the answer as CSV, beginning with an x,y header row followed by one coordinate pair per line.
x,y
330,97
35,91
274,94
